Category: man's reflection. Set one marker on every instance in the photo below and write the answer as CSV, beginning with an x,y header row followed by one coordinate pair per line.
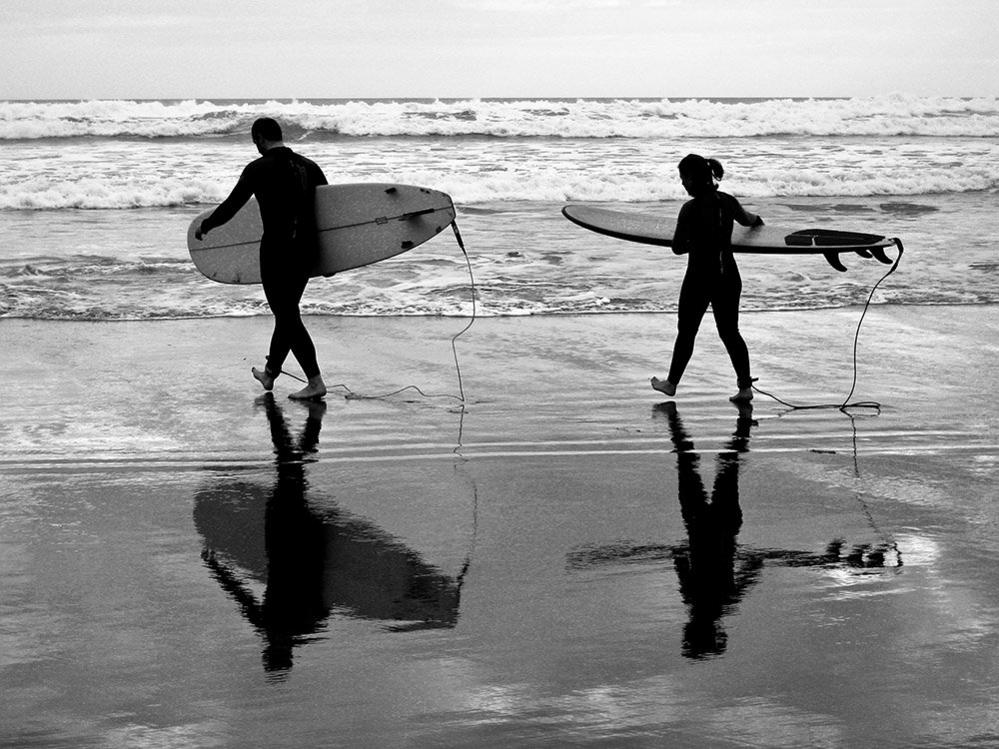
x,y
310,561
713,576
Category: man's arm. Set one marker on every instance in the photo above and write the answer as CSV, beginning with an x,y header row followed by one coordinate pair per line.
x,y
241,193
319,176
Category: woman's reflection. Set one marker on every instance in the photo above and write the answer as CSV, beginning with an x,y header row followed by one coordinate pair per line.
x,y
714,571
713,576
310,561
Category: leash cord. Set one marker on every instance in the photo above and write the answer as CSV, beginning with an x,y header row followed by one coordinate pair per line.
x,y
856,338
351,395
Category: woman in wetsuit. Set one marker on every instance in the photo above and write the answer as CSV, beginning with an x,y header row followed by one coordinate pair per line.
x,y
704,234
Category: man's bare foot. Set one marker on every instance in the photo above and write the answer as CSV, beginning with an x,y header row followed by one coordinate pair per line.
x,y
264,377
743,396
315,389
664,386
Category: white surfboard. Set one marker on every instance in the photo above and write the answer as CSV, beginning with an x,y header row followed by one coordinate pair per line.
x,y
359,224
657,229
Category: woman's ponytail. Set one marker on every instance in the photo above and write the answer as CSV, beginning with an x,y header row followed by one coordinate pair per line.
x,y
717,170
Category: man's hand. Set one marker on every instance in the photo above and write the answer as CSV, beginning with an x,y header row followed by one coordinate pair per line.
x,y
200,232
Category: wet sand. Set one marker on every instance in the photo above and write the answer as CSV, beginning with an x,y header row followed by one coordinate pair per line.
x,y
565,560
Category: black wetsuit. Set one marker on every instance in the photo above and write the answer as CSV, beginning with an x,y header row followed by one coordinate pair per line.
x,y
284,184
704,234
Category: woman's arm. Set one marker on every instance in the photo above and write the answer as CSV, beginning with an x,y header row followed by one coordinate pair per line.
x,y
682,235
743,216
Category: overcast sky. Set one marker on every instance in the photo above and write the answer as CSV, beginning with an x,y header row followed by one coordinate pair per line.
x,y
483,48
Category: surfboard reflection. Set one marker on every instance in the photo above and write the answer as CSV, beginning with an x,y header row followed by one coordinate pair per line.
x,y
311,562
714,571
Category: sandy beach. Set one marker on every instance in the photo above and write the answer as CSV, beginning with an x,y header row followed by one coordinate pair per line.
x,y
562,560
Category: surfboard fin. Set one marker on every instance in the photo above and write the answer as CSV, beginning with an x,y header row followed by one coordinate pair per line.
x,y
414,214
833,259
879,253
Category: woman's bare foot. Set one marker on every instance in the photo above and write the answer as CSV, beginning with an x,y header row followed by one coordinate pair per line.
x,y
315,389
264,377
664,386
743,396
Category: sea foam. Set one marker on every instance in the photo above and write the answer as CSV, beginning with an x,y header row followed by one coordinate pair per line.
x,y
579,118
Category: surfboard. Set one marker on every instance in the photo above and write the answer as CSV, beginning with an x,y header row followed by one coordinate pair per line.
x,y
650,228
359,224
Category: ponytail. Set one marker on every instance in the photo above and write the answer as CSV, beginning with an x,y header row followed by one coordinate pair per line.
x,y
717,170
706,173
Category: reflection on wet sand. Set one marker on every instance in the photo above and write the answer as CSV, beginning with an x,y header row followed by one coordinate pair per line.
x,y
714,571
713,575
311,561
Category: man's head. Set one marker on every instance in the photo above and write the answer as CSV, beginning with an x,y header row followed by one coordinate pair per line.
x,y
266,132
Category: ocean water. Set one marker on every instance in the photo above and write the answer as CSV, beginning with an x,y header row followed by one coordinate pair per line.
x,y
96,197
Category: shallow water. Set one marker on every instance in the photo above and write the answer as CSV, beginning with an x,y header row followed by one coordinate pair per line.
x,y
525,258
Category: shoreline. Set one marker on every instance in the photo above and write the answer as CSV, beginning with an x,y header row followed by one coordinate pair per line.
x,y
536,377
501,316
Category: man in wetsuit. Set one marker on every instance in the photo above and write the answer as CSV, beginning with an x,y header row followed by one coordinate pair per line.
x,y
284,184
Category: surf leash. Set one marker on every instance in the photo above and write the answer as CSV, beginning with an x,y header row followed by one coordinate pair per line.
x,y
471,282
845,405
351,395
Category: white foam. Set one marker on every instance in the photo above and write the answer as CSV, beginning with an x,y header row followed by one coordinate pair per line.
x,y
584,118
552,151
136,190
